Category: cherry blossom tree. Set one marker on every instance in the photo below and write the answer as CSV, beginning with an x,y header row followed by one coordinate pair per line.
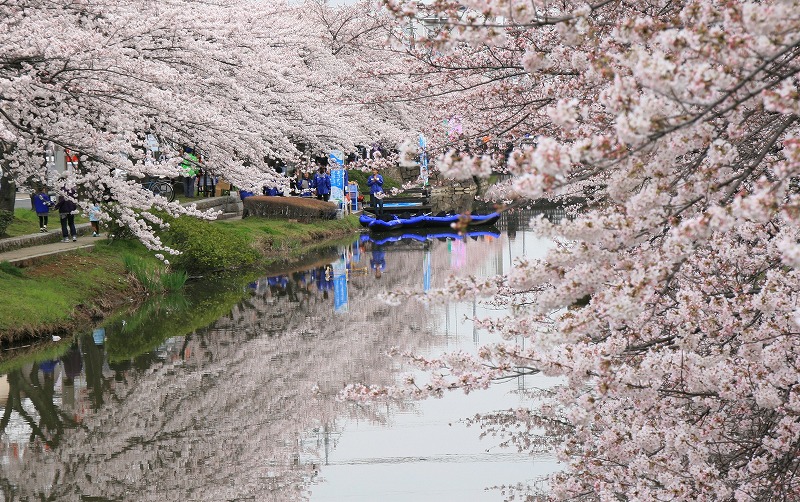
x,y
669,305
241,82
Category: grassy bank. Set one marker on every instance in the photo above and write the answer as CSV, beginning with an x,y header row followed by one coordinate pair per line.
x,y
60,293
52,296
26,222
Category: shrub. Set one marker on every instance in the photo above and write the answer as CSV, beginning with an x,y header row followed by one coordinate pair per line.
x,y
298,208
173,281
6,217
206,247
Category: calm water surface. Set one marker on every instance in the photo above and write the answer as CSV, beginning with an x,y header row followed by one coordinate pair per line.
x,y
231,393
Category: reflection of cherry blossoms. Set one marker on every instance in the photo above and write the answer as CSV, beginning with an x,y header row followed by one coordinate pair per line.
x,y
228,412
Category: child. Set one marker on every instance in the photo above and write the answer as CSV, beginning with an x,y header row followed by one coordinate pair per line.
x,y
42,204
94,218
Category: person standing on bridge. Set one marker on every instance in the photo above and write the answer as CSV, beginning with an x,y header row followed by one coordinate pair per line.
x,y
378,260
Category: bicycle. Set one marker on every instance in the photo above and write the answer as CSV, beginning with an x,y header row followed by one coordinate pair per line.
x,y
160,187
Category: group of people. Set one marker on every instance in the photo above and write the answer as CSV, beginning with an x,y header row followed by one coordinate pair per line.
x,y
196,179
303,185
66,207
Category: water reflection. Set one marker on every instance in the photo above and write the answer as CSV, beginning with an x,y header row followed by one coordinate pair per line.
x,y
241,406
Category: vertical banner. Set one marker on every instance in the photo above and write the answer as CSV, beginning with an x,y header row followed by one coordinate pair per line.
x,y
423,160
338,182
336,159
340,303
458,254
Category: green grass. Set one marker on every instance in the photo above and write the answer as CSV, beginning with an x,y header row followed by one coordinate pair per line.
x,y
8,268
155,277
26,222
172,315
361,177
47,294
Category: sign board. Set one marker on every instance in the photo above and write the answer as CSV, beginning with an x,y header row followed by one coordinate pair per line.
x,y
338,178
338,183
426,271
336,158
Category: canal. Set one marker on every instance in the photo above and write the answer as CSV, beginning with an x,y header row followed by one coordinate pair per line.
x,y
231,392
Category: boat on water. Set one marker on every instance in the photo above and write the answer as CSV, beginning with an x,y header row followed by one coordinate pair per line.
x,y
423,236
391,222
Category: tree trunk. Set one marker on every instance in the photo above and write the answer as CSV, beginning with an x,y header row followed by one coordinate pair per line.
x,y
8,192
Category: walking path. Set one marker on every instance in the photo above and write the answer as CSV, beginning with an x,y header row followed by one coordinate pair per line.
x,y
30,248
25,250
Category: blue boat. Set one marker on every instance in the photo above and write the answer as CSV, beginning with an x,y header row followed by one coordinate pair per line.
x,y
387,223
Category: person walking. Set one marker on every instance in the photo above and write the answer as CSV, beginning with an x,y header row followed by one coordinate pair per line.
x,y
375,183
42,204
94,219
322,182
66,209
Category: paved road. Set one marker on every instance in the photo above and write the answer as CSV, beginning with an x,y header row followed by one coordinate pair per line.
x,y
31,252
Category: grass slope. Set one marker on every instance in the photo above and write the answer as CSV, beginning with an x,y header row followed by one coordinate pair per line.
x,y
26,222
61,288
55,294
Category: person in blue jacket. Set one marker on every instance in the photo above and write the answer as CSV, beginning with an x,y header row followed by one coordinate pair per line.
x,y
375,183
378,260
42,204
322,182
